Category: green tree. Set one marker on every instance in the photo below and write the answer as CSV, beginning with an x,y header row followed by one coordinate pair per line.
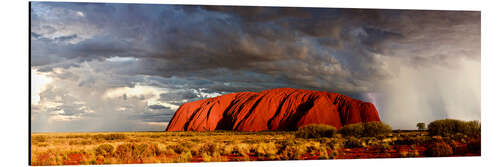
x,y
421,126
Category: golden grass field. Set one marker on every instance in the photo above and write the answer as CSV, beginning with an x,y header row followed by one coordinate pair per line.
x,y
144,147
168,147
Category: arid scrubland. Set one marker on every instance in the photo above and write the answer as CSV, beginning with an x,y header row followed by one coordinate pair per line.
x,y
312,142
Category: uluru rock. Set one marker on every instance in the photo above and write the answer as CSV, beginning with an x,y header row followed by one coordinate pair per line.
x,y
275,109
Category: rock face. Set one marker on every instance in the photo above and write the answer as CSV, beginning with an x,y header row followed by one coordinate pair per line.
x,y
275,109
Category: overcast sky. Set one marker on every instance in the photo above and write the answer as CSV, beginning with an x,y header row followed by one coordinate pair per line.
x,y
126,67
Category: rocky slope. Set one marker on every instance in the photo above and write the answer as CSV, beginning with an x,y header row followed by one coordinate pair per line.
x,y
275,109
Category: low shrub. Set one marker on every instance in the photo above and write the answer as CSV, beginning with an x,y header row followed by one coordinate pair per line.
x,y
189,144
316,131
145,150
292,152
334,144
449,127
373,129
184,157
472,128
353,142
229,149
113,136
177,148
104,150
134,151
371,140
312,146
370,129
243,149
124,151
169,151
265,149
39,139
355,130
208,148
323,153
413,140
439,149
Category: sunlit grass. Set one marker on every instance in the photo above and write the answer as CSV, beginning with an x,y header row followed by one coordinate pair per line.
x,y
170,147
145,147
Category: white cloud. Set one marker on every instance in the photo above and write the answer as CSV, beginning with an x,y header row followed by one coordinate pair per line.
x,y
39,83
203,94
138,91
79,13
121,59
149,94
64,117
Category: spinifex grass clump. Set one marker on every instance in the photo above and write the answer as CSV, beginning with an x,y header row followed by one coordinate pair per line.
x,y
268,150
104,150
316,131
136,152
209,149
292,150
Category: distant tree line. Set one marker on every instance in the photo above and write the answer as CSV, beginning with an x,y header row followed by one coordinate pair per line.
x,y
445,127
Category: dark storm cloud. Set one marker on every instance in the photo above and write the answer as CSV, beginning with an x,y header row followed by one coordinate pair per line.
x,y
65,38
163,116
305,47
178,96
35,35
157,107
262,14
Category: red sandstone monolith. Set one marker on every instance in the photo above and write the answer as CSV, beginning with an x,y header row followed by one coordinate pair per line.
x,y
275,109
